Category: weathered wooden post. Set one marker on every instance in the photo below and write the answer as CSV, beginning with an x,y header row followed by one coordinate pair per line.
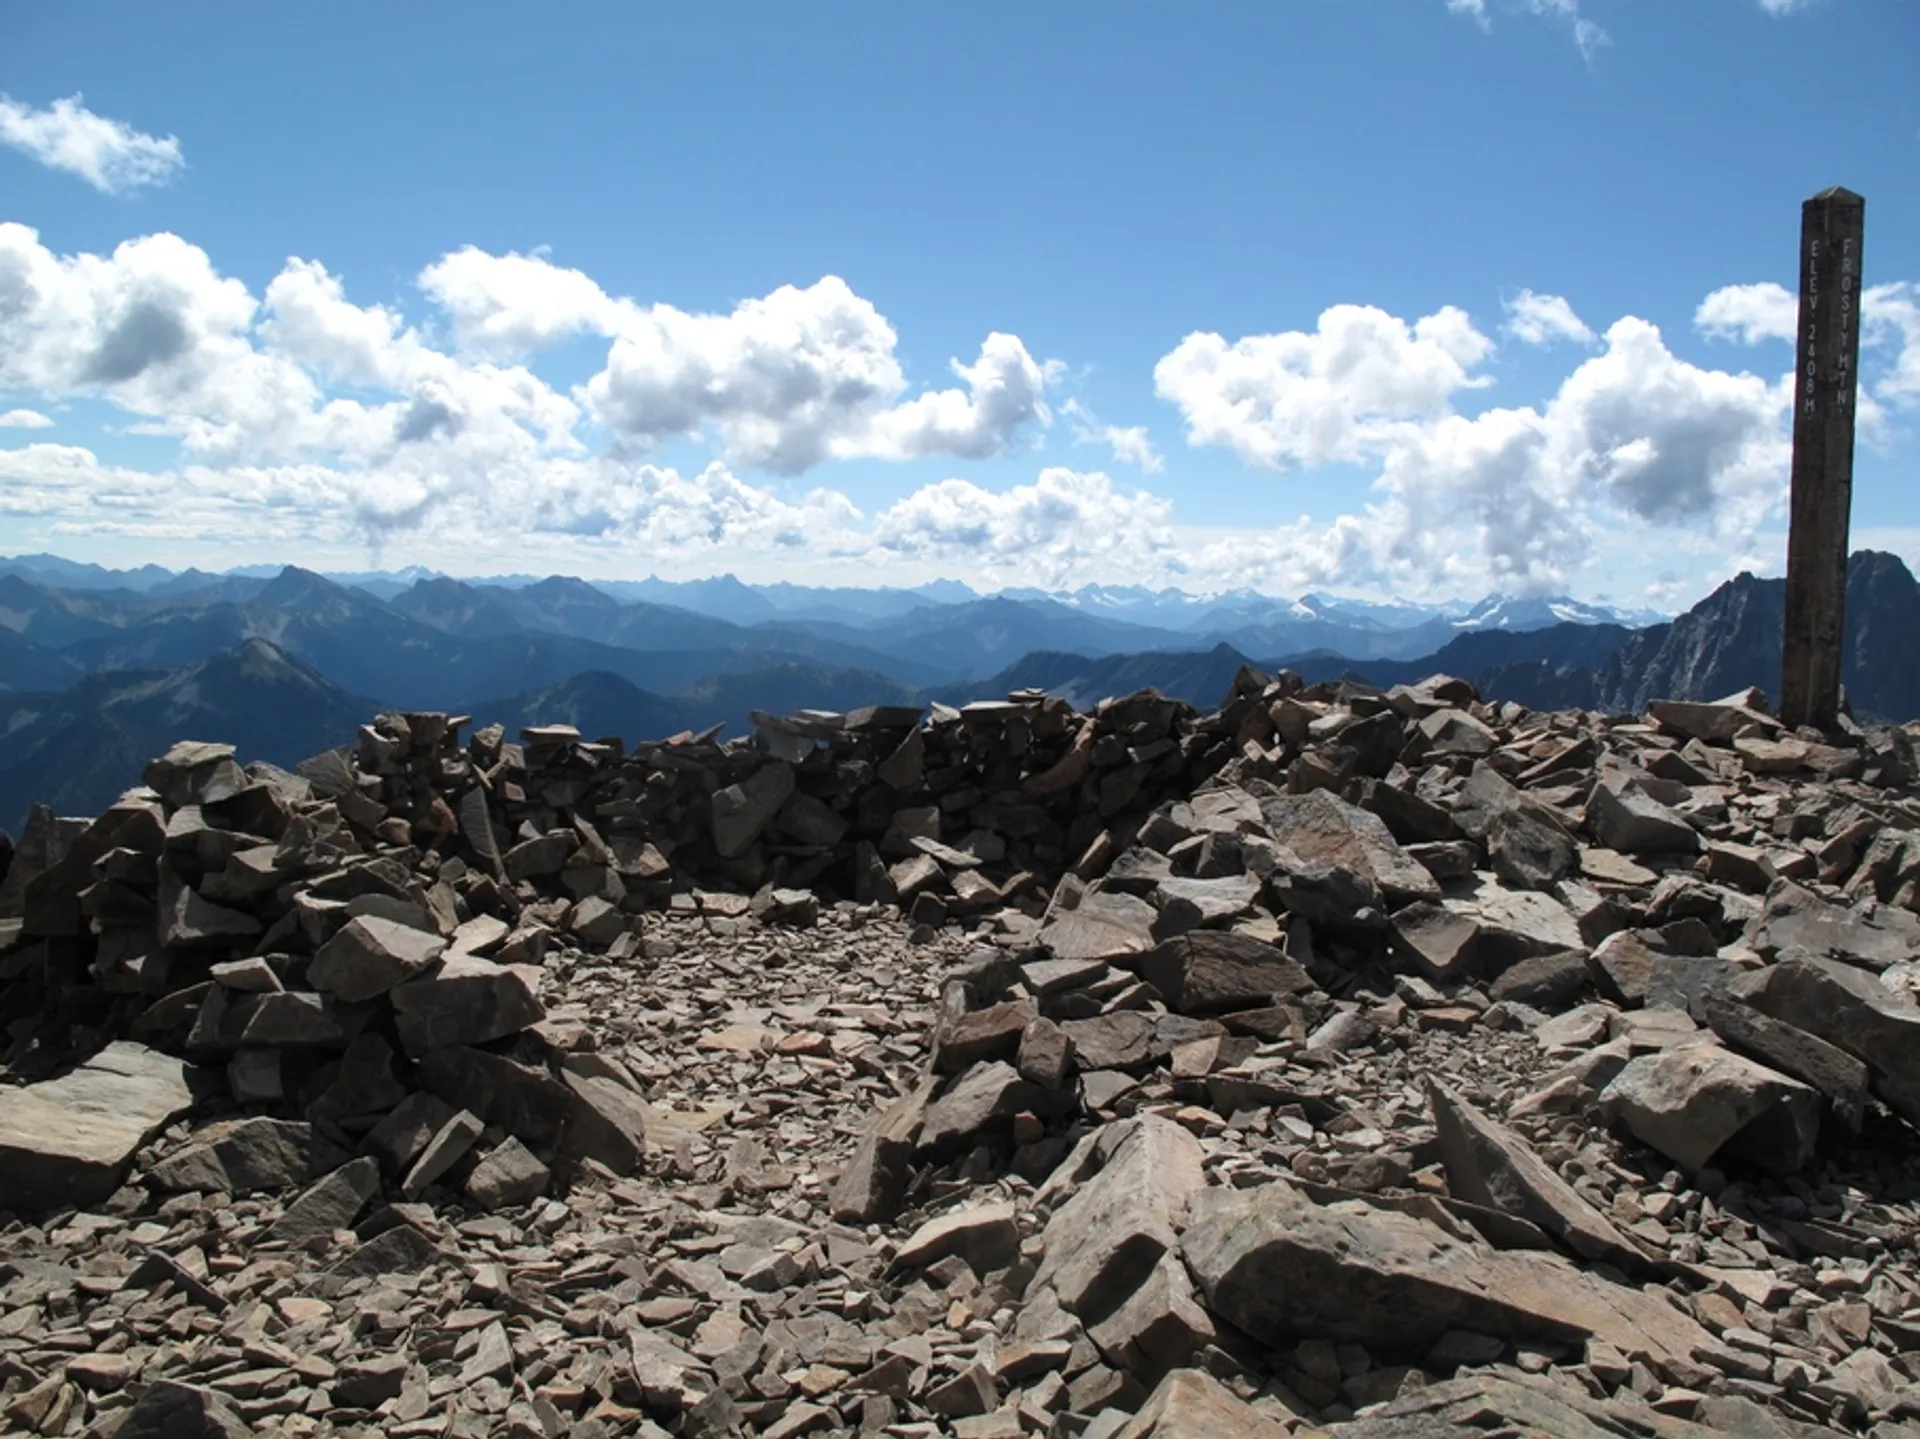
x,y
1828,346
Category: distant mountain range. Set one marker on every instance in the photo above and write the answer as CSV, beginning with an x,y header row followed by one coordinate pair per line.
x,y
101,669
79,748
1728,641
1094,619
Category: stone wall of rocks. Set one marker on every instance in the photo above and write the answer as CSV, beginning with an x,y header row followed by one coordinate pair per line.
x,y
1306,1053
499,848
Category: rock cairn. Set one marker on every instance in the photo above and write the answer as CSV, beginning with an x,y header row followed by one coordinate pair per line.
x,y
1335,1062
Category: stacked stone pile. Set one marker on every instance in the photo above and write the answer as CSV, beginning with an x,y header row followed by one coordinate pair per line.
x,y
1375,1063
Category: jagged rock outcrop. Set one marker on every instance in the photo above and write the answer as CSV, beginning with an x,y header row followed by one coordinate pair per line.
x,y
1731,640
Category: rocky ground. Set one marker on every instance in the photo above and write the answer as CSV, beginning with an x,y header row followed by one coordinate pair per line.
x,y
1336,1062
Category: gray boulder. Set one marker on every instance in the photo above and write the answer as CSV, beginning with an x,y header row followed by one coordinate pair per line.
x,y
742,812
466,1000
1192,1404
1280,1267
1323,829
1699,1104
1624,816
1103,925
1850,1009
1212,971
239,1156
1873,936
369,956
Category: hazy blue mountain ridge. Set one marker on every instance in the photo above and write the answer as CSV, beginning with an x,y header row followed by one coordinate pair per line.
x,y
96,678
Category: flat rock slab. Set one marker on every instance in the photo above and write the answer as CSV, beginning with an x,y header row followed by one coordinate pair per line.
x,y
369,956
1793,1051
1192,1404
1121,1040
466,1001
1281,1267
1438,940
1510,1403
232,1020
1158,1327
447,1148
1489,1165
1322,828
607,1122
987,1236
987,1096
1514,923
396,1141
1197,902
1549,982
1527,850
332,1203
742,811
1709,722
1104,925
1625,817
1609,866
1103,1241
1212,971
69,1141
1623,966
240,1156
187,920
508,1175
990,1033
1874,936
876,1178
399,1250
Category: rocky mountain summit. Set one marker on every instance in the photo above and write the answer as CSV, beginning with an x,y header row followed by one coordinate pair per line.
x,y
1340,1061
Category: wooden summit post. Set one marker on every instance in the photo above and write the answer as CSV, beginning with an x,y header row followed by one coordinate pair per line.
x,y
1828,349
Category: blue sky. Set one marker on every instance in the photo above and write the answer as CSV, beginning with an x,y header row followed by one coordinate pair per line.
x,y
1407,296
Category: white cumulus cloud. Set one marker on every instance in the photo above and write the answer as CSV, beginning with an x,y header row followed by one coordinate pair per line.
x,y
108,155
805,375
1634,436
1004,393
153,327
1296,398
513,305
786,380
1889,325
1890,319
1668,440
303,417
1542,319
1749,313
1066,526
305,422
